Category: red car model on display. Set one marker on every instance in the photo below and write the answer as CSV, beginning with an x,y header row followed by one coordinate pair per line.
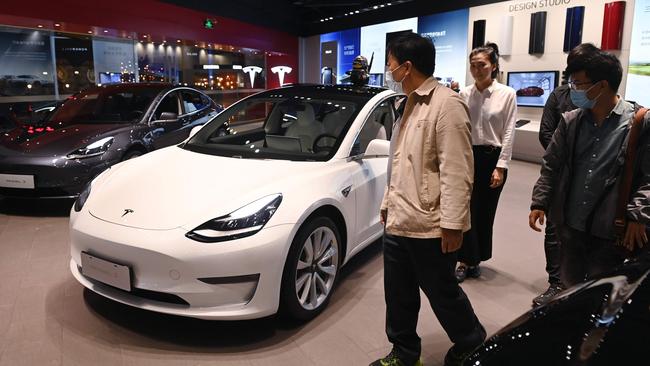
x,y
530,91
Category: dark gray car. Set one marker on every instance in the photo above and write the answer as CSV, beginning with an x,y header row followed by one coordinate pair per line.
x,y
93,130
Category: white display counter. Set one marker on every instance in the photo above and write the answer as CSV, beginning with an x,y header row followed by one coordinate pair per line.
x,y
527,146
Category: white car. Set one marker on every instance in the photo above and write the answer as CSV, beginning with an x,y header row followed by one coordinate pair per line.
x,y
243,225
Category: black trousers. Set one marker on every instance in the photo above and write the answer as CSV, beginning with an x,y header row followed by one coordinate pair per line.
x,y
477,242
414,264
583,255
552,252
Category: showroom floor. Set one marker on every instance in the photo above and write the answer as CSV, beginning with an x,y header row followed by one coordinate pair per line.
x,y
47,318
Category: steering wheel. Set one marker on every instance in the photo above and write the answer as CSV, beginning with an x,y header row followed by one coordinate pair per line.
x,y
316,148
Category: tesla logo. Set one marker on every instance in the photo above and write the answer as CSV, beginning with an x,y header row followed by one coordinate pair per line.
x,y
127,211
251,71
346,191
281,71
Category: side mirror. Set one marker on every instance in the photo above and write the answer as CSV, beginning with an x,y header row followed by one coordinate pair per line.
x,y
195,129
167,117
378,148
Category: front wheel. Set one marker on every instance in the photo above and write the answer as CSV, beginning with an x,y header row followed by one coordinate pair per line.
x,y
311,269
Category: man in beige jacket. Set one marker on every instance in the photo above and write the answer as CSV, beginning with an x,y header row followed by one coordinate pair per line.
x,y
426,207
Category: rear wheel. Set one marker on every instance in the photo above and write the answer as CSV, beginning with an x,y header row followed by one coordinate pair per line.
x,y
311,269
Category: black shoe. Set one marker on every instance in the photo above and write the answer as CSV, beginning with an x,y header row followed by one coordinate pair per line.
x,y
455,358
550,293
393,360
474,271
461,273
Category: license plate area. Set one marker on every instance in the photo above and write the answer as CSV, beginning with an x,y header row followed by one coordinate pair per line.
x,y
17,181
102,270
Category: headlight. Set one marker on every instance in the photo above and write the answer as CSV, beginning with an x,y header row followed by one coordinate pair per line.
x,y
83,196
241,223
94,149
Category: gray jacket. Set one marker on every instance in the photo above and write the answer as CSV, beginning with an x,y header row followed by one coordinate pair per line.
x,y
552,187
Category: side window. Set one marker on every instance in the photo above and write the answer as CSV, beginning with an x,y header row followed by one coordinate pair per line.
x,y
168,104
192,101
377,126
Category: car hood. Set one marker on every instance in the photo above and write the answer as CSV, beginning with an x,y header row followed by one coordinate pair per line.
x,y
173,187
49,140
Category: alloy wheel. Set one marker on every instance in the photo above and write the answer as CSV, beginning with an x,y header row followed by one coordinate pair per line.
x,y
316,268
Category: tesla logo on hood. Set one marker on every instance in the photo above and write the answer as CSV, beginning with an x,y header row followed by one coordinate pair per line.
x,y
127,211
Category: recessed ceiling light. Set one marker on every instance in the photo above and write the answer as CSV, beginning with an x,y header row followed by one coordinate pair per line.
x,y
40,26
356,12
105,31
57,24
90,32
375,7
178,41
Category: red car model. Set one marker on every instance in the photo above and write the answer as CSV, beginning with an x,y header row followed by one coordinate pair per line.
x,y
530,91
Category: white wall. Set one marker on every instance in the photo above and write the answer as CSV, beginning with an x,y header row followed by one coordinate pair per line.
x,y
553,58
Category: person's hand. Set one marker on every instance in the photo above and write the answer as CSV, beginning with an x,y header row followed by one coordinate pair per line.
x,y
533,217
451,240
382,216
497,177
635,235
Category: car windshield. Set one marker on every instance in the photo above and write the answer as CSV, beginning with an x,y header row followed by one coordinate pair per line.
x,y
274,126
95,107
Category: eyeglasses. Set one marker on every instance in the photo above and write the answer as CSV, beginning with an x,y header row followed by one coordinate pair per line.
x,y
574,84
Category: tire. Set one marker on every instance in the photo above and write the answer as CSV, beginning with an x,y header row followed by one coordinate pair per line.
x,y
311,269
131,154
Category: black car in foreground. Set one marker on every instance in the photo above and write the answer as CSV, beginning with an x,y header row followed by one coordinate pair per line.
x,y
603,321
93,130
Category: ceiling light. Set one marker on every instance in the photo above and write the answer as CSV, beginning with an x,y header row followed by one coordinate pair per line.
x,y
40,26
375,7
90,32
178,41
105,31
57,24
356,12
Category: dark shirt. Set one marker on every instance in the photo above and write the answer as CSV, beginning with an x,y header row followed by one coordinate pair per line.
x,y
595,153
558,102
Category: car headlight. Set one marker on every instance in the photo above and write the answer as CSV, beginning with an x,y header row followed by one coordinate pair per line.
x,y
83,196
240,223
95,149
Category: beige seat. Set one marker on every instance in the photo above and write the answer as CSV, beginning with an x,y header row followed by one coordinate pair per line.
x,y
306,128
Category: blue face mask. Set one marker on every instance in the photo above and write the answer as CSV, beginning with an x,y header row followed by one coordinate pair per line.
x,y
580,99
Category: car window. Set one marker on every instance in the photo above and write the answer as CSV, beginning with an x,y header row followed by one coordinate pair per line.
x,y
192,101
104,107
292,128
168,104
378,125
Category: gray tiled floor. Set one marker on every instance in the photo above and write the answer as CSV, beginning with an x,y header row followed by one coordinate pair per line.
x,y
46,318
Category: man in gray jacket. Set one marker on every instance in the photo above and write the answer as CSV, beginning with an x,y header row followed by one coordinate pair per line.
x,y
580,175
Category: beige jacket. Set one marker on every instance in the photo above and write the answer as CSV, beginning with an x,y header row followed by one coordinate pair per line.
x,y
431,165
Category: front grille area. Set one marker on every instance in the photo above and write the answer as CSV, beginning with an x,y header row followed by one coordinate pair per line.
x,y
158,296
35,193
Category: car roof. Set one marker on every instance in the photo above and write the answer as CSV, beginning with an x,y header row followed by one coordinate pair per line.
x,y
319,91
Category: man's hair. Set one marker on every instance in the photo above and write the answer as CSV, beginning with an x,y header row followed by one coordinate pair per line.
x,y
599,65
491,50
581,50
417,49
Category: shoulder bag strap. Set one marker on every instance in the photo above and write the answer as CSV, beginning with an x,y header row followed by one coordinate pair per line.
x,y
625,188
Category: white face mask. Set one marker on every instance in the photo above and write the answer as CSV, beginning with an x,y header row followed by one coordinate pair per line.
x,y
393,84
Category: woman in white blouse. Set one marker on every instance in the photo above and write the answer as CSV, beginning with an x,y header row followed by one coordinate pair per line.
x,y
492,108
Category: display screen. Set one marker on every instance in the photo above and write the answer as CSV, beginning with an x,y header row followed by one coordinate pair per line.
x,y
533,87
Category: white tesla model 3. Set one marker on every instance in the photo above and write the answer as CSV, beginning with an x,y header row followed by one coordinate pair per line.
x,y
243,225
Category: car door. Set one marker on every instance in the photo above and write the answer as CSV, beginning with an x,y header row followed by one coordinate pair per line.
x,y
166,124
369,177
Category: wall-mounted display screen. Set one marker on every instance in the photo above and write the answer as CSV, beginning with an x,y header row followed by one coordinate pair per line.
x,y
533,87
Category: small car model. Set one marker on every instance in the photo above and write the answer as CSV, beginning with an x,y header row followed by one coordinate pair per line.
x,y
242,225
56,156
530,91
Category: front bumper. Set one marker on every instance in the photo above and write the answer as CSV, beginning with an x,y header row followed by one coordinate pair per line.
x,y
54,177
172,274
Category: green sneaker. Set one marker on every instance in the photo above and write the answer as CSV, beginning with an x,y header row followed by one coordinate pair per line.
x,y
393,360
